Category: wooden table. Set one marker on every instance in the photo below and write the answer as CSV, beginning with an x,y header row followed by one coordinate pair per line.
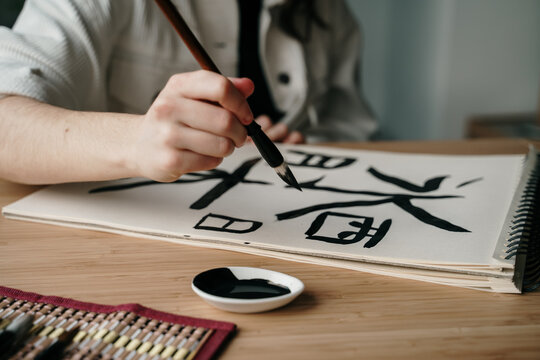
x,y
341,315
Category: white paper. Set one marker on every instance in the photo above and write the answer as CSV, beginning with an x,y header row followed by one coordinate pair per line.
x,y
163,210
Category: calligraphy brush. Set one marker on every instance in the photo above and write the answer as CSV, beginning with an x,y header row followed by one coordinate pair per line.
x,y
266,147
56,349
14,334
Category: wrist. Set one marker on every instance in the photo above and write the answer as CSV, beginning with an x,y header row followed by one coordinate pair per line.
x,y
125,156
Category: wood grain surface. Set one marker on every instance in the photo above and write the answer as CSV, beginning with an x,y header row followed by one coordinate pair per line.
x,y
341,315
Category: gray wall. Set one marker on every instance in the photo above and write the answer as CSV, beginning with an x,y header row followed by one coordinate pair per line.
x,y
430,64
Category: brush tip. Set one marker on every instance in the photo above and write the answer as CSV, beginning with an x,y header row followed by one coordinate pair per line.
x,y
286,175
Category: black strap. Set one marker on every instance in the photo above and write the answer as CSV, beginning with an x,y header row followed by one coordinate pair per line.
x,y
249,64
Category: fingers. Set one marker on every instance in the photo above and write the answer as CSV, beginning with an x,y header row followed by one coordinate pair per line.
x,y
244,85
200,142
279,132
170,165
265,122
294,137
195,122
157,159
209,86
202,116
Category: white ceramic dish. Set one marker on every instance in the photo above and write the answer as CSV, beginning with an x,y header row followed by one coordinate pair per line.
x,y
243,305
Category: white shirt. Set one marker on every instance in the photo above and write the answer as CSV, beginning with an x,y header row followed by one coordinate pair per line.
x,y
116,55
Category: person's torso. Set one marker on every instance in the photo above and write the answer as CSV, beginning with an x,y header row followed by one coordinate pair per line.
x,y
148,51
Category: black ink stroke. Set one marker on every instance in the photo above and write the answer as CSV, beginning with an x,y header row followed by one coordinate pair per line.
x,y
343,237
252,225
469,182
287,215
429,185
402,201
422,215
124,186
312,184
198,177
321,160
227,182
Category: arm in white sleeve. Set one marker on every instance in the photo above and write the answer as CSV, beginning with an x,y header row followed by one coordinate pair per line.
x,y
58,51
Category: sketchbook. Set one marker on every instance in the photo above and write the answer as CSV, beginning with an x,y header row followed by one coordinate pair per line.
x,y
461,220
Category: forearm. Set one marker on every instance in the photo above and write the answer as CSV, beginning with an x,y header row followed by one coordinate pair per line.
x,y
193,124
43,144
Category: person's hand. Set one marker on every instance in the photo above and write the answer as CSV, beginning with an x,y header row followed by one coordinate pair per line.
x,y
279,132
195,122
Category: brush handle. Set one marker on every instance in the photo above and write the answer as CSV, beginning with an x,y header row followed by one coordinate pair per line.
x,y
266,147
181,27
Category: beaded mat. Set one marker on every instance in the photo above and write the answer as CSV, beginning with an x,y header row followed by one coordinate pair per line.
x,y
127,331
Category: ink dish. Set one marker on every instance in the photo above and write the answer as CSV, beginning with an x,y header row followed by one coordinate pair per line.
x,y
246,289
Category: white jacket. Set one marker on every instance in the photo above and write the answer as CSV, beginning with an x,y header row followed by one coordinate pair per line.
x,y
116,55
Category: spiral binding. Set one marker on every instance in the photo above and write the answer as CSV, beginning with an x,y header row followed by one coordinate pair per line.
x,y
524,235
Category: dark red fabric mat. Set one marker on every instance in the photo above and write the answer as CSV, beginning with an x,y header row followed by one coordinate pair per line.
x,y
222,331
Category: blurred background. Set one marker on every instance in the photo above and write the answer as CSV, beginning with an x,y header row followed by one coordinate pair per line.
x,y
443,69
448,69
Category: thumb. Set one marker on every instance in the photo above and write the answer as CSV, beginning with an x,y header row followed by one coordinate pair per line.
x,y
244,85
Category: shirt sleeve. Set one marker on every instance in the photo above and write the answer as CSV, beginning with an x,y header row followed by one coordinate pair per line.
x,y
58,51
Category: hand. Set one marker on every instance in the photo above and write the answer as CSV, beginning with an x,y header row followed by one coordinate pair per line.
x,y
195,122
279,132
